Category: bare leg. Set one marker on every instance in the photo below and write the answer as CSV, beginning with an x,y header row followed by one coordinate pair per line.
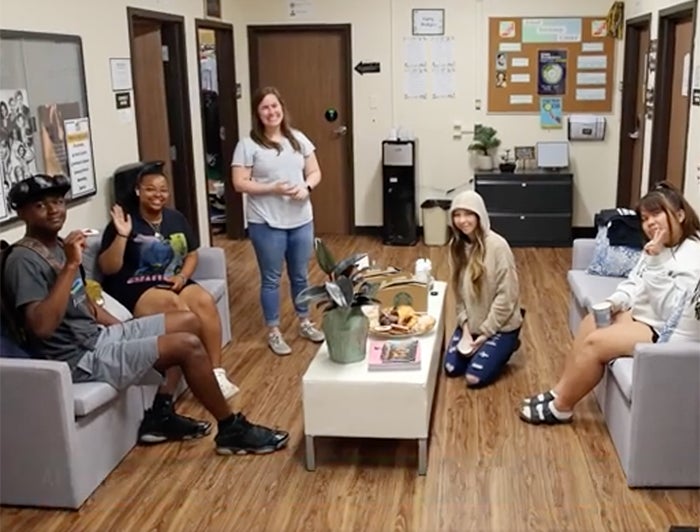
x,y
592,351
202,304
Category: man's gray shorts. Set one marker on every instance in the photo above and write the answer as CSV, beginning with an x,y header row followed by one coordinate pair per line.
x,y
124,354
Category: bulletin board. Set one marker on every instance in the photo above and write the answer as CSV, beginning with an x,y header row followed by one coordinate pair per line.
x,y
44,117
569,58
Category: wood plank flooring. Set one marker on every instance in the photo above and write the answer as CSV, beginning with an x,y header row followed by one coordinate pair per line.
x,y
487,470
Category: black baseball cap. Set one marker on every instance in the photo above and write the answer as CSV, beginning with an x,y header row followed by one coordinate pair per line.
x,y
36,187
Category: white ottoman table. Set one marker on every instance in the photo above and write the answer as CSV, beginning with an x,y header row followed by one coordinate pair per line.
x,y
348,400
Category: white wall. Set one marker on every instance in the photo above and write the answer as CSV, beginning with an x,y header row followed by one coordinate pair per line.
x,y
379,27
638,8
104,30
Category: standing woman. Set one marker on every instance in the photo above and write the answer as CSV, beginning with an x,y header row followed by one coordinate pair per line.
x,y
485,284
277,168
148,256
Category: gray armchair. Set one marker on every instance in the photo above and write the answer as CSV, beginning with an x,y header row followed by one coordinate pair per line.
x,y
650,402
60,440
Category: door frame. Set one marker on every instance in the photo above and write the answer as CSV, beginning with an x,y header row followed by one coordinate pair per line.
x,y
177,99
235,226
628,121
346,32
663,84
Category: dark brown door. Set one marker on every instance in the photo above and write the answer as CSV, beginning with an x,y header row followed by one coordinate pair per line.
x,y
311,67
631,163
217,81
149,95
672,103
161,101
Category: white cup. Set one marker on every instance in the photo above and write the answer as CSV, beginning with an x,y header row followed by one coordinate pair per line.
x,y
602,314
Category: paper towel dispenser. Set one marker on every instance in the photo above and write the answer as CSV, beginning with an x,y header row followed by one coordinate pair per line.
x,y
586,127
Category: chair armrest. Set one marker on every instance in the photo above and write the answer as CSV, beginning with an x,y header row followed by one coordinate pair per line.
x,y
211,264
37,424
665,425
582,253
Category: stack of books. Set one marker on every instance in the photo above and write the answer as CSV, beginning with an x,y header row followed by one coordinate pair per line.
x,y
394,355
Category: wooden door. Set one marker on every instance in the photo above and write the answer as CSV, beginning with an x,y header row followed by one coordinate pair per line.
x,y
149,95
672,99
680,102
632,131
311,68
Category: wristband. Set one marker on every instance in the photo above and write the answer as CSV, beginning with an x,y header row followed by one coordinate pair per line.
x,y
123,236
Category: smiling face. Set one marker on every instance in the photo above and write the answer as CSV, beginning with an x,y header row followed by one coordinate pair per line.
x,y
270,112
153,192
465,221
659,220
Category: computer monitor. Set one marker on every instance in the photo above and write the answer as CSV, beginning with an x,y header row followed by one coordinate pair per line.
x,y
552,155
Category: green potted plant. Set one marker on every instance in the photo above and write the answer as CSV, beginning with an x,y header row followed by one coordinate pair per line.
x,y
341,297
485,141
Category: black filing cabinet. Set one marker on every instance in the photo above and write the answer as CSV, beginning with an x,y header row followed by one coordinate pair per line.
x,y
399,193
529,208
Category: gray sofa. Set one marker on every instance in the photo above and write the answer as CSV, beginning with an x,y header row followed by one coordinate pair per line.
x,y
651,402
60,440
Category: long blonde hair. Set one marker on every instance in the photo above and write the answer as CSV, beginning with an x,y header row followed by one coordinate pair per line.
x,y
470,261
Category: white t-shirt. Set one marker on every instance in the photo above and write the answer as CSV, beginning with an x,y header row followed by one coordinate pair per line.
x,y
268,166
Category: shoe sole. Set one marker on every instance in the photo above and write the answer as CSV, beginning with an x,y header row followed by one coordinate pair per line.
x,y
230,451
548,423
150,439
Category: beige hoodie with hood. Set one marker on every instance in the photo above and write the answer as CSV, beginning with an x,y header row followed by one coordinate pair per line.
x,y
498,307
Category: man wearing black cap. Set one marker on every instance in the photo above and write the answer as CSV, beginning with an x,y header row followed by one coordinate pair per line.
x,y
43,285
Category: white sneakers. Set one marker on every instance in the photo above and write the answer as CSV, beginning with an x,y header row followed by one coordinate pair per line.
x,y
228,389
306,330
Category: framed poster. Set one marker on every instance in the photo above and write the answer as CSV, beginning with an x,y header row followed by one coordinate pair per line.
x,y
34,114
212,8
428,21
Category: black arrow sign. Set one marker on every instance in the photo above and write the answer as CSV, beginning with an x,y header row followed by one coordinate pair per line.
x,y
366,68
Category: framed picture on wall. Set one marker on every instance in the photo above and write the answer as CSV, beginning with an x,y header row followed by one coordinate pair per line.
x,y
428,21
212,8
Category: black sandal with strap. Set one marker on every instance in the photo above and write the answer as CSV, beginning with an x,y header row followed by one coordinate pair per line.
x,y
545,397
541,414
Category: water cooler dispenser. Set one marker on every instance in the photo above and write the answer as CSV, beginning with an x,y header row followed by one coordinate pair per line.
x,y
399,192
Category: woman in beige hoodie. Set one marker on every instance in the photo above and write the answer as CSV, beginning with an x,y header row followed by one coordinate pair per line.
x,y
485,283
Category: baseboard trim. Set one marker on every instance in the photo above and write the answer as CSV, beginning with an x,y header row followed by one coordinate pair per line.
x,y
583,232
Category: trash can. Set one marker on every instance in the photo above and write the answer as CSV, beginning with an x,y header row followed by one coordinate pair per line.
x,y
435,221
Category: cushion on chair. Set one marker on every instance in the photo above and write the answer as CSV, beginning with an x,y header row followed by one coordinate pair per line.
x,y
89,396
621,370
115,308
589,289
215,287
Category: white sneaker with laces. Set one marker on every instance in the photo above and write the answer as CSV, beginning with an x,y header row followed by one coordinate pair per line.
x,y
277,344
228,389
308,331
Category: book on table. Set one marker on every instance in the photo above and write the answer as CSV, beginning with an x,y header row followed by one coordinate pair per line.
x,y
394,355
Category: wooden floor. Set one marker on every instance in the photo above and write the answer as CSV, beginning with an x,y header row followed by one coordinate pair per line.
x,y
487,470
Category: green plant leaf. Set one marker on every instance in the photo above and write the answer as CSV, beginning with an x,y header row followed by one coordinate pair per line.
x,y
336,293
345,266
310,294
347,287
324,257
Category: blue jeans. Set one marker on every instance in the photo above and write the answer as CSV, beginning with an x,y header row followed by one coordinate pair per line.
x,y
487,362
272,248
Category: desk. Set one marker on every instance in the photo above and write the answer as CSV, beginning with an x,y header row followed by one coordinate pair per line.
x,y
348,400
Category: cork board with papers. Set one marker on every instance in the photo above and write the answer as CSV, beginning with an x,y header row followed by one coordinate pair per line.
x,y
531,58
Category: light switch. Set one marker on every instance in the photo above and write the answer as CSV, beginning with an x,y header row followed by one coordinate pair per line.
x,y
457,125
373,102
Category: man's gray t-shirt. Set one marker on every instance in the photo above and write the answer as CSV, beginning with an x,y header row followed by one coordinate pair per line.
x,y
268,166
27,278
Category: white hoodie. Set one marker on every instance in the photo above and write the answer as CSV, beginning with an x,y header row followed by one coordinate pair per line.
x,y
663,290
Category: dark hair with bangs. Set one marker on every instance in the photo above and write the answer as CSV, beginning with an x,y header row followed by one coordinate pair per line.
x,y
667,198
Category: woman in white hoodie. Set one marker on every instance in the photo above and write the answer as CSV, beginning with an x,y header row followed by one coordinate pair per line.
x,y
485,284
658,302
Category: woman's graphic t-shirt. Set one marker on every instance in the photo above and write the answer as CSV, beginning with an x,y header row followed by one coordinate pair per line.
x,y
150,257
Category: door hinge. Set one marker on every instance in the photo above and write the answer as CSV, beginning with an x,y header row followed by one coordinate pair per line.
x,y
173,153
165,53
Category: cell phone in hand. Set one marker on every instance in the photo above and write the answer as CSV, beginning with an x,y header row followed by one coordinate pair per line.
x,y
164,285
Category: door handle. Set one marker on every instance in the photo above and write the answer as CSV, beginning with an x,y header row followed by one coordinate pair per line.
x,y
341,130
634,135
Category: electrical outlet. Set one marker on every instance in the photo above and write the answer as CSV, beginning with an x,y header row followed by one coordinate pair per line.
x,y
477,104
